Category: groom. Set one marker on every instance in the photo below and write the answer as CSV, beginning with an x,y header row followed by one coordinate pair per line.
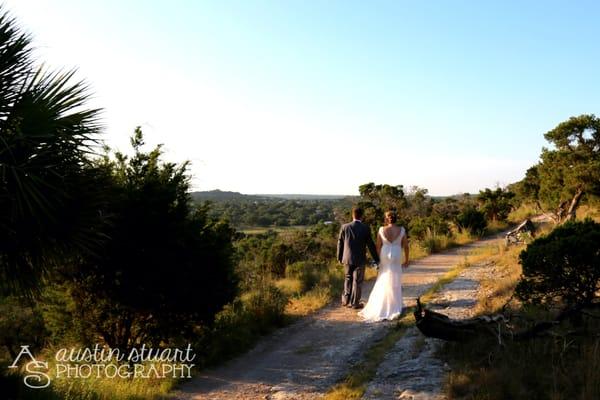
x,y
354,238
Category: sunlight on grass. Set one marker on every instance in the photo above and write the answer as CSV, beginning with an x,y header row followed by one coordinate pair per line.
x,y
495,291
309,302
437,243
587,211
289,286
523,212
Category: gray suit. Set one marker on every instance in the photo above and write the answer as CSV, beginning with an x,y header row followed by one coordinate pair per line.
x,y
353,241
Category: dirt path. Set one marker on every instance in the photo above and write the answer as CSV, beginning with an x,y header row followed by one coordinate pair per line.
x,y
304,360
412,370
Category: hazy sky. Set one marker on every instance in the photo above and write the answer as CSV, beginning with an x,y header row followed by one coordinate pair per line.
x,y
322,96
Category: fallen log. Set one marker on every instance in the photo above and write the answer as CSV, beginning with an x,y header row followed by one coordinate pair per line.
x,y
440,326
437,325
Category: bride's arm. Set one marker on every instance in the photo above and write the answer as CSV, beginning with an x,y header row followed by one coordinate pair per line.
x,y
405,250
378,244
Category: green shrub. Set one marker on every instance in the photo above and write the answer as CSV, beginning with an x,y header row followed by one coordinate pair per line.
x,y
432,244
266,307
241,323
21,323
472,220
308,273
420,227
563,266
295,270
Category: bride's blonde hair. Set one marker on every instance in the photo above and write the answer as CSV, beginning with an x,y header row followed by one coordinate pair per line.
x,y
391,217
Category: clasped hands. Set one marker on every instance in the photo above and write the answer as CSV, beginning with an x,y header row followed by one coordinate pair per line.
x,y
375,265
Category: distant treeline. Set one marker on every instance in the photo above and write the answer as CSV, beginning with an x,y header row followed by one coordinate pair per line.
x,y
264,211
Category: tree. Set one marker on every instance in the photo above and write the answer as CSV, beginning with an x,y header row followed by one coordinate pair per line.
x,y
528,189
572,169
419,204
376,199
495,204
562,267
447,209
48,191
167,266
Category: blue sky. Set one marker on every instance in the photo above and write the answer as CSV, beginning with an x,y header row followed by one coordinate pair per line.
x,y
320,97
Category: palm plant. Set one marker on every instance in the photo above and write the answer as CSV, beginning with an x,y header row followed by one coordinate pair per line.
x,y
48,187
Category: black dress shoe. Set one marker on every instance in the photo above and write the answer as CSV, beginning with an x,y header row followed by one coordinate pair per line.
x,y
358,306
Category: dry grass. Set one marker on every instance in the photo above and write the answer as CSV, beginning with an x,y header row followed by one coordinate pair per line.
x,y
437,243
497,290
326,284
523,212
494,227
587,211
289,286
308,302
545,368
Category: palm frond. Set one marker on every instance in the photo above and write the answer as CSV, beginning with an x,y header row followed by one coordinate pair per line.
x,y
48,196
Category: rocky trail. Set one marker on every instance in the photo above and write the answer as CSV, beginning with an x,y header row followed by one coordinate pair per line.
x,y
305,359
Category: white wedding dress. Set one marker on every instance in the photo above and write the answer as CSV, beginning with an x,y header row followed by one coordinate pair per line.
x,y
385,300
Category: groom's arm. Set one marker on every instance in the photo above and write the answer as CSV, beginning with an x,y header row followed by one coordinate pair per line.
x,y
372,248
340,245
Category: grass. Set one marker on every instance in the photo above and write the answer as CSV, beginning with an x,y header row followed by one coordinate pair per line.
x,y
494,227
523,212
312,290
289,286
309,302
587,211
92,388
437,243
545,368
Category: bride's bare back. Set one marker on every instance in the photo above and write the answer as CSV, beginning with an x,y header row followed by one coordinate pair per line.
x,y
391,232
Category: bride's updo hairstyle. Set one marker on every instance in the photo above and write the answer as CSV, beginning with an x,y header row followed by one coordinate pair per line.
x,y
391,217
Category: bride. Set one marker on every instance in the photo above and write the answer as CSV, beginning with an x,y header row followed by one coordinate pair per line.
x,y
385,301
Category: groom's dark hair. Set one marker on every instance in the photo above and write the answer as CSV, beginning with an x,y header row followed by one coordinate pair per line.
x,y
357,212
